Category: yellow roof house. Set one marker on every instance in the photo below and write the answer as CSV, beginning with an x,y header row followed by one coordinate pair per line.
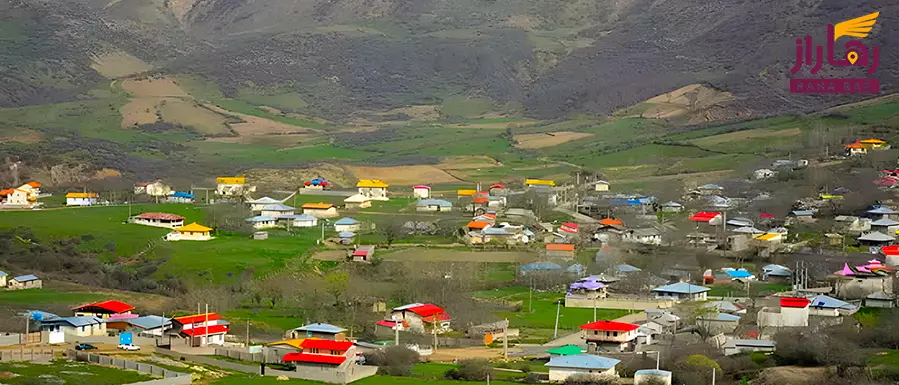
x,y
82,195
873,141
193,228
539,182
770,237
371,183
231,180
467,193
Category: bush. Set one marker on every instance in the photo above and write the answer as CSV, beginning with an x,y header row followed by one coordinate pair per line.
x,y
587,379
532,378
470,370
393,361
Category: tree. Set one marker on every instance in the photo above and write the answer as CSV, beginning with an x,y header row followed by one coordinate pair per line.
x,y
336,284
394,360
470,370
230,217
392,229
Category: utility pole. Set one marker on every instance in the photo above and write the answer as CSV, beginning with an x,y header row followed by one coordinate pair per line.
x,y
506,340
556,328
206,324
248,332
713,376
530,296
594,309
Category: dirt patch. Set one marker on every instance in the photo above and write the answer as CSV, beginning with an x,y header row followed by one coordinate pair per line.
x,y
417,113
20,135
139,111
280,179
747,134
107,173
254,125
189,114
404,175
493,126
548,139
451,355
793,375
419,254
163,87
524,22
467,162
118,64
692,104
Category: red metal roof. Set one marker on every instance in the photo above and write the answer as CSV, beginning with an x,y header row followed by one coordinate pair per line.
x,y
389,323
704,216
477,225
192,319
609,326
559,247
497,185
326,344
202,331
794,302
111,306
422,187
766,215
161,216
360,253
426,310
890,250
439,317
479,200
313,358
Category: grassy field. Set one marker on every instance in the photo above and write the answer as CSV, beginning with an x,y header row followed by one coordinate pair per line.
x,y
64,372
735,291
48,296
543,309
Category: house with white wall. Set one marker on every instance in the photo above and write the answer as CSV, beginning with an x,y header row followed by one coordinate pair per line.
x,y
191,232
81,198
681,291
202,329
604,334
793,312
373,188
561,367
78,326
28,281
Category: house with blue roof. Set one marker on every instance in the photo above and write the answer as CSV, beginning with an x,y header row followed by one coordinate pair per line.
x,y
181,197
433,205
563,366
347,224
317,330
739,274
298,220
681,291
149,325
80,326
28,281
263,222
716,323
827,306
539,266
277,210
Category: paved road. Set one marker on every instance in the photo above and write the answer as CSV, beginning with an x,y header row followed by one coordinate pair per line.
x,y
581,218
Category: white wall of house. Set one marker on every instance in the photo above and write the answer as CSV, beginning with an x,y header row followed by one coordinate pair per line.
x,y
81,201
98,329
682,296
265,224
606,336
561,374
158,223
787,316
188,236
275,214
3,281
746,349
422,193
352,227
321,213
378,193
304,223
36,284
881,303
18,198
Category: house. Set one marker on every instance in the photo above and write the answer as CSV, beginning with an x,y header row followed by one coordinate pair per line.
x,y
646,236
103,309
856,148
317,184
735,346
150,325
78,326
681,291
881,212
420,317
24,196
508,234
567,350
28,281
740,274
589,287
258,204
81,198
763,173
661,321
874,144
827,306
421,192
474,225
3,276
232,186
166,220
880,299
672,207
466,193
601,186
317,330
263,222
569,228
793,312
363,254
875,238
770,238
604,334
538,267
562,367
802,216
776,273
191,232
346,237
322,354
849,223
623,270
140,188
202,329
357,201
710,189
652,376
158,189
559,250
433,205
885,225
711,217
347,224
716,323
725,307
276,210
260,235
320,210
180,197
373,188
301,220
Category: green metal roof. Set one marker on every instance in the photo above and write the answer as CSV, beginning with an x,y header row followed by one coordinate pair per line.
x,y
567,350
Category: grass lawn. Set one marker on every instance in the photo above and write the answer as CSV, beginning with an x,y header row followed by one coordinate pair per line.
x,y
543,310
870,316
47,296
62,372
244,379
738,291
885,358
436,371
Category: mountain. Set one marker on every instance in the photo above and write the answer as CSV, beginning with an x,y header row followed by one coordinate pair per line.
x,y
340,56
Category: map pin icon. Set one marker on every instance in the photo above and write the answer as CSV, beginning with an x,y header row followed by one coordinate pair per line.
x,y
852,56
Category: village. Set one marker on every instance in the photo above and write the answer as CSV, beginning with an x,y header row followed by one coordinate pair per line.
x,y
619,280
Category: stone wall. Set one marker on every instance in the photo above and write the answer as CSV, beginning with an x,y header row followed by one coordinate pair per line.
x,y
26,354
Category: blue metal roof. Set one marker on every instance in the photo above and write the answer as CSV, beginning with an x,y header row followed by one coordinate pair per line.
x,y
261,218
321,328
625,268
298,217
827,302
803,213
495,231
434,202
3,274
653,372
711,186
346,234
150,321
346,221
277,207
182,194
582,361
541,266
74,321
26,278
720,317
681,288
738,273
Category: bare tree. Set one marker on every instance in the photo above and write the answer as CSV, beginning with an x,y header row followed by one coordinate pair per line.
x,y
392,229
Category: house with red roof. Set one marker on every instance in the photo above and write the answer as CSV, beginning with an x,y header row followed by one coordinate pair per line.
x,y
604,334
202,329
169,221
568,227
421,192
322,353
422,318
710,217
103,309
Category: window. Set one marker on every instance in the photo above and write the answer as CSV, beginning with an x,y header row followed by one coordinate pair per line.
x,y
82,328
616,334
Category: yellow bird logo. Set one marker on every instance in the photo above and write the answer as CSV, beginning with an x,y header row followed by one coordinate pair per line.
x,y
858,27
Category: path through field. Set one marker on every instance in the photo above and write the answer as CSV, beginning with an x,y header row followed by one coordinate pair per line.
x,y
414,254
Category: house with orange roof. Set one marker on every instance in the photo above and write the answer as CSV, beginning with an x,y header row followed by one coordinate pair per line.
x,y
191,232
24,196
320,210
559,250
856,148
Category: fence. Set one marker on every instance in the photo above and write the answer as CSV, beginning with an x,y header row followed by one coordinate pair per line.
x,y
14,339
169,377
244,355
612,303
29,354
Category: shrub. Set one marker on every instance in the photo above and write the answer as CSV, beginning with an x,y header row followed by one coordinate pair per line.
x,y
587,379
470,370
394,360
